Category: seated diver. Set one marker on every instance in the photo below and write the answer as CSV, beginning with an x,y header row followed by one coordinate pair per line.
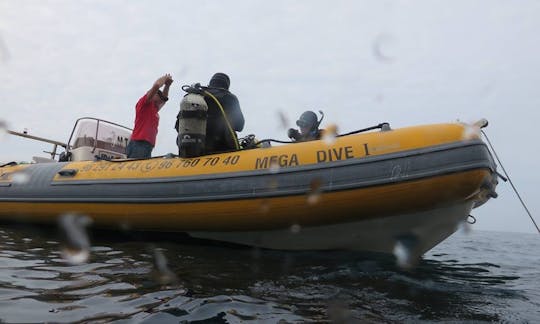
x,y
221,124
309,128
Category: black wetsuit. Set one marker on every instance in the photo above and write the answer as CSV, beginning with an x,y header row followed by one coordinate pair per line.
x,y
218,136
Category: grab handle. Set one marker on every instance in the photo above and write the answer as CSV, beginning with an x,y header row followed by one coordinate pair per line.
x,y
68,172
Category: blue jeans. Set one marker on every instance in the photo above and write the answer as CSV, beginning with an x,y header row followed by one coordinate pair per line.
x,y
139,150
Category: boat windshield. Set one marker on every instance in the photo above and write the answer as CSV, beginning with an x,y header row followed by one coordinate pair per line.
x,y
96,133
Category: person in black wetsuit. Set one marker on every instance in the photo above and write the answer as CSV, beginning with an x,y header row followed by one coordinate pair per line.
x,y
309,128
219,137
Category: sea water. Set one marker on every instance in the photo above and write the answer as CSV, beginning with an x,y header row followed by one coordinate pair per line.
x,y
471,277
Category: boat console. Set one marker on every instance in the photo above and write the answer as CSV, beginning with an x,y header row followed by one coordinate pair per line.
x,y
93,138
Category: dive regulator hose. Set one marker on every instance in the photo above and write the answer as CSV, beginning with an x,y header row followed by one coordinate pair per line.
x,y
233,133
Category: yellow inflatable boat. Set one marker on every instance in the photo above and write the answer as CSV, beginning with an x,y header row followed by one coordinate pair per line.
x,y
364,191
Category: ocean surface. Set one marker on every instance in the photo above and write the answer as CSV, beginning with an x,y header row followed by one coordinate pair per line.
x,y
471,277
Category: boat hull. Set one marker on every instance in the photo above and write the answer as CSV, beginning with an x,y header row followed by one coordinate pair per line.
x,y
418,231
310,207
391,185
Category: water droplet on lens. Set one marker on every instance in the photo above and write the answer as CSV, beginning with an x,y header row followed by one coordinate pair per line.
x,y
181,72
339,312
314,193
76,244
379,98
4,51
471,132
76,256
20,177
330,134
265,206
313,198
272,184
159,260
464,227
295,228
162,274
125,226
384,48
407,251
402,254
283,120
315,184
274,167
3,129
256,253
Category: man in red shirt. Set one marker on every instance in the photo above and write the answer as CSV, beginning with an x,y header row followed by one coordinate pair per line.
x,y
143,138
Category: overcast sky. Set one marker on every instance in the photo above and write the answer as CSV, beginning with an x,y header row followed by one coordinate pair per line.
x,y
361,62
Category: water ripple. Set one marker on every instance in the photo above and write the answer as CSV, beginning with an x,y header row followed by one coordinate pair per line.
x,y
123,282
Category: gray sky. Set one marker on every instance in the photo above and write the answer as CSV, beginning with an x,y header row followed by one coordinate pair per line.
x,y
361,62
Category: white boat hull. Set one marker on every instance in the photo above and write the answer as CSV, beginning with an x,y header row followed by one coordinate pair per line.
x,y
421,231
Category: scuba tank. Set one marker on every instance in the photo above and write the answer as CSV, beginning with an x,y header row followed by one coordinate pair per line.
x,y
191,122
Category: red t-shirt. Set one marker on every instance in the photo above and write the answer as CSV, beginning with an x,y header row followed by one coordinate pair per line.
x,y
146,121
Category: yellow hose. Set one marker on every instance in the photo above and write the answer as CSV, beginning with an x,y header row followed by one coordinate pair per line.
x,y
233,133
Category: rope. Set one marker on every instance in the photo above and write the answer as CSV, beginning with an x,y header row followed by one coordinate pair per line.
x,y
510,181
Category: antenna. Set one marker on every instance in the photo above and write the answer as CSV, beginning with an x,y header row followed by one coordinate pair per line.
x,y
41,139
